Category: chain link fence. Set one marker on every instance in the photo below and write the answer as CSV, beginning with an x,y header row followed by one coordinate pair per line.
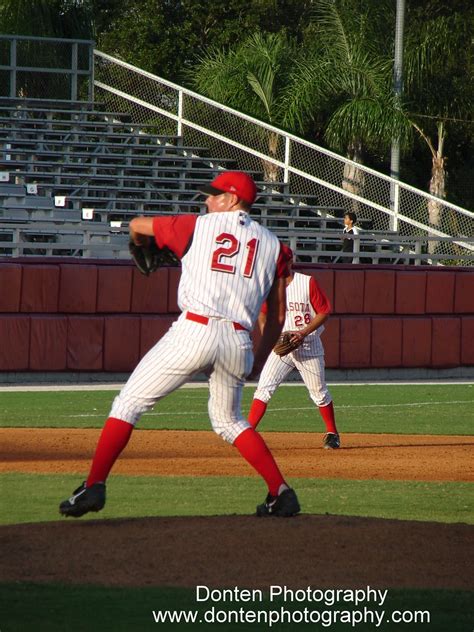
x,y
278,160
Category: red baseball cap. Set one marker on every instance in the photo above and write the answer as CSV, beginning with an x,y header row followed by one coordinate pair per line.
x,y
236,182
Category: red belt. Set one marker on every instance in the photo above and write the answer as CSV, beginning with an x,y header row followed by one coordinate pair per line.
x,y
204,321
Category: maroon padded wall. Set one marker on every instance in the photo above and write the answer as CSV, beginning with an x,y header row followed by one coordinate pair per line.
x,y
78,289
121,343
85,343
10,287
349,291
150,294
464,294
15,342
379,292
40,289
410,296
467,340
114,289
103,316
48,343
416,342
440,292
446,342
386,342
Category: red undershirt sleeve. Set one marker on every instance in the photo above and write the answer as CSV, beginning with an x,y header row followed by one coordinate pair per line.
x,y
284,257
174,232
318,298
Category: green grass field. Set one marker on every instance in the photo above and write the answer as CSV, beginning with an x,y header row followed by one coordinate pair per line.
x,y
396,409
399,409
70,608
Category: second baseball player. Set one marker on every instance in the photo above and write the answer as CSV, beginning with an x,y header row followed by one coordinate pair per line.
x,y
307,309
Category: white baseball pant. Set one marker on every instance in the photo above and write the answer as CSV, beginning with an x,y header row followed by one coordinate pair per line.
x,y
311,368
223,353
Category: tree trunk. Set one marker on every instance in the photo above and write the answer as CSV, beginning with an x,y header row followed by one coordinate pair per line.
x,y
353,180
270,170
437,185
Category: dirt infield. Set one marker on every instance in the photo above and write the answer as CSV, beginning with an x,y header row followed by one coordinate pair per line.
x,y
191,453
323,551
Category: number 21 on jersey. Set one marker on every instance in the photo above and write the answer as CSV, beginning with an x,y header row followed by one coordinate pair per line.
x,y
230,250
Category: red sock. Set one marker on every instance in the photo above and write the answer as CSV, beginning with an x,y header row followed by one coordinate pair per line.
x,y
112,441
255,451
327,413
257,410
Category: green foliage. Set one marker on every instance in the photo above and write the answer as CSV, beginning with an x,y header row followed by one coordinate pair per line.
x,y
251,78
47,18
168,37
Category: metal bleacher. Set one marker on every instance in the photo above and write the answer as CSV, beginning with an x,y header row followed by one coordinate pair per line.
x,y
73,174
63,162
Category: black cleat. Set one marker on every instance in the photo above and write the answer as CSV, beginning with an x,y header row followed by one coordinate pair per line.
x,y
83,500
283,506
331,441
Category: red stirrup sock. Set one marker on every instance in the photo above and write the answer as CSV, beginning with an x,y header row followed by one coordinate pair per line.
x,y
255,451
327,413
257,410
112,441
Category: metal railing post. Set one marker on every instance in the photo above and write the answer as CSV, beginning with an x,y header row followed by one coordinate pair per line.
x,y
13,68
74,75
287,160
180,113
90,93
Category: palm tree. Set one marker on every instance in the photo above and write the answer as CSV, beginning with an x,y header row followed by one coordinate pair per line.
x,y
348,75
251,78
440,84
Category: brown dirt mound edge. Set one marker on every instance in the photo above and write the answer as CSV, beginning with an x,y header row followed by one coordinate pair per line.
x,y
228,551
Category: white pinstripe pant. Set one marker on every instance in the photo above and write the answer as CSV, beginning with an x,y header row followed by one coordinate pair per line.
x,y
217,349
310,366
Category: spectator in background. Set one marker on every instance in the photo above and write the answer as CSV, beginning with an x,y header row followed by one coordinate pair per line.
x,y
350,228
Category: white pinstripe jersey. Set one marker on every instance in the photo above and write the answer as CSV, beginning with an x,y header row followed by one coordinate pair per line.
x,y
299,309
229,268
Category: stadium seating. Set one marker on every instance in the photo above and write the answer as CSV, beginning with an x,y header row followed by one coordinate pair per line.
x,y
70,162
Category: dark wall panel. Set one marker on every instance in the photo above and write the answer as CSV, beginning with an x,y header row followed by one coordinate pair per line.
x,y
416,342
114,289
121,342
10,287
85,343
15,342
379,291
40,289
467,340
48,343
410,293
78,289
440,292
464,293
150,293
386,342
355,342
446,342
349,292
